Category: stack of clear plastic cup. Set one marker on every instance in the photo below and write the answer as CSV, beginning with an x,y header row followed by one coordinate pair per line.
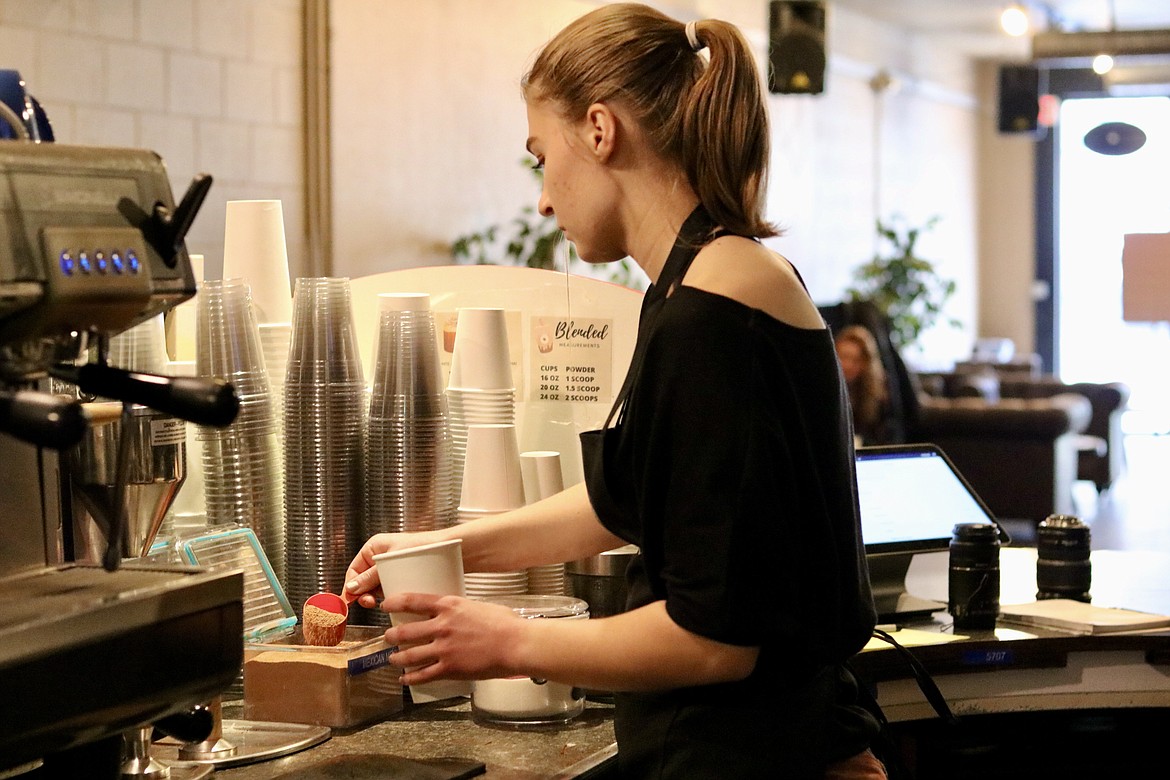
x,y
408,443
323,429
144,348
480,389
141,348
242,481
275,339
492,484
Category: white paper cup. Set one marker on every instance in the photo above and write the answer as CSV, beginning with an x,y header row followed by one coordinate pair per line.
x,y
541,470
481,359
429,568
491,469
404,301
254,249
181,320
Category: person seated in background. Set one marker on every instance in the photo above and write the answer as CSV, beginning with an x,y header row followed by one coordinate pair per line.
x,y
865,379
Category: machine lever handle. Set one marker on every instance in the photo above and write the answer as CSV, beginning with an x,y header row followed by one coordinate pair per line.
x,y
169,228
202,401
42,419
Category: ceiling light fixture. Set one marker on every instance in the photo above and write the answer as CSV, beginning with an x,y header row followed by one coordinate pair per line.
x,y
1014,20
1102,64
1053,47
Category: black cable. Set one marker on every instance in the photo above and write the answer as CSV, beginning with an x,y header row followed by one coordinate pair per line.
x,y
925,682
886,747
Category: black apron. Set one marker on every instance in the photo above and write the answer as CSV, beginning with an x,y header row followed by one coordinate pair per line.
x,y
772,724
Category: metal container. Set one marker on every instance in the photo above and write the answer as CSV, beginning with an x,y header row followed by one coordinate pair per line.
x,y
600,580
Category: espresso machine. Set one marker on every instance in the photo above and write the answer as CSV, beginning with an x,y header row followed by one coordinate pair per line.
x,y
91,244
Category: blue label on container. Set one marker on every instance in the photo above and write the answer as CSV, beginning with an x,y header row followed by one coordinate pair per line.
x,y
368,663
988,657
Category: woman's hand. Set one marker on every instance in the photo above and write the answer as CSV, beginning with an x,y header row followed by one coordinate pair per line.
x,y
361,579
454,639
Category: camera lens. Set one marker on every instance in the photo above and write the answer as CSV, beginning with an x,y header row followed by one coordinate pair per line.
x,y
974,576
1063,569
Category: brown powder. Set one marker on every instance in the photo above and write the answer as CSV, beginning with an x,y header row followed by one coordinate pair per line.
x,y
322,627
322,618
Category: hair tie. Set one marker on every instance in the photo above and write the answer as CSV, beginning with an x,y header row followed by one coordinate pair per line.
x,y
693,37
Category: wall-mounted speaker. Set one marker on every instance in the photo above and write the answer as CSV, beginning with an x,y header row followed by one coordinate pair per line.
x,y
796,47
1020,87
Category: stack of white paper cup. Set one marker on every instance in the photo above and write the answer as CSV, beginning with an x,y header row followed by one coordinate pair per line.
x,y
430,568
480,390
254,249
541,472
492,484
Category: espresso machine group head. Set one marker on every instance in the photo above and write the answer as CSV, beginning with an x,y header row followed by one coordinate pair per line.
x,y
91,244
95,245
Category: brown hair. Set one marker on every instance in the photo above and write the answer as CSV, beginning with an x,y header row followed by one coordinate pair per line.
x,y
707,117
868,393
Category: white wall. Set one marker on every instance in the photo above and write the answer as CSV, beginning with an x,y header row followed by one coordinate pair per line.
x,y
430,129
1007,239
212,86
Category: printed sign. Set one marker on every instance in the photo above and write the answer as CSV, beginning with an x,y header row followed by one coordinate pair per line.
x,y
572,360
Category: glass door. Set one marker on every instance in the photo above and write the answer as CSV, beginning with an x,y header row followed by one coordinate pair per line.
x,y
1101,198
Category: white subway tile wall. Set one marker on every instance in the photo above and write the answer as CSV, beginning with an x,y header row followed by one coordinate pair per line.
x,y
212,86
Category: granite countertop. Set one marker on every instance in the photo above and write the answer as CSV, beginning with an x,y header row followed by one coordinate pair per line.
x,y
446,730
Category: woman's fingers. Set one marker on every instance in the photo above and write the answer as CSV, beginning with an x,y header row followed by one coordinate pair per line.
x,y
453,637
414,603
358,583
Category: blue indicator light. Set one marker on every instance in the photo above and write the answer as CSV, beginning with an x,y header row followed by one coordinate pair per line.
x,y
67,263
83,262
99,259
132,261
116,259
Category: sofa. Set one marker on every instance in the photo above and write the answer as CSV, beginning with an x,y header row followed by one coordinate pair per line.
x,y
1101,451
1020,454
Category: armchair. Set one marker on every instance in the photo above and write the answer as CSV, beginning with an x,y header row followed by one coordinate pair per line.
x,y
1020,454
1101,457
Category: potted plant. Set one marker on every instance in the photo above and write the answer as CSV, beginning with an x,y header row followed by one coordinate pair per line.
x,y
528,239
906,287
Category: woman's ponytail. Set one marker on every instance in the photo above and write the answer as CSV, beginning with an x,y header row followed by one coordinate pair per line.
x,y
725,133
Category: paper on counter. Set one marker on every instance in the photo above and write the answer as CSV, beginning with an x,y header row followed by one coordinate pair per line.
x,y
912,637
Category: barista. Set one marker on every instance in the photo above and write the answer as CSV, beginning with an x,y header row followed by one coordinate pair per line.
x,y
727,459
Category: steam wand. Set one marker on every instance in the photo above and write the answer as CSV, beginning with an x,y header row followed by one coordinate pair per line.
x,y
202,401
118,511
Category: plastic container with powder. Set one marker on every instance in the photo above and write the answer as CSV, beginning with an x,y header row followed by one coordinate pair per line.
x,y
350,684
